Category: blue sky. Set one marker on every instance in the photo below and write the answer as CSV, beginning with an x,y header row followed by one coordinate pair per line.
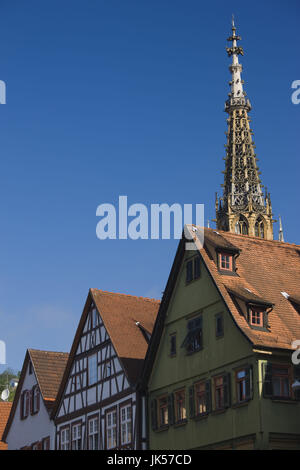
x,y
125,97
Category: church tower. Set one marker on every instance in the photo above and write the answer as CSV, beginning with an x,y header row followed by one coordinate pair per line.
x,y
243,209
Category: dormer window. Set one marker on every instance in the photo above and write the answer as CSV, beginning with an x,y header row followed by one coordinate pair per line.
x,y
225,261
256,317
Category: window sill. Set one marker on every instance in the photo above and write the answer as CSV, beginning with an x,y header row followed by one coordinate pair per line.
x,y
180,423
188,283
189,353
240,404
227,273
162,428
201,416
218,412
286,401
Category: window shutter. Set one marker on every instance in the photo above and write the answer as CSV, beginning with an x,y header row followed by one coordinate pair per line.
x,y
38,399
189,271
31,400
27,403
154,414
22,405
208,395
297,377
227,390
197,271
171,409
267,379
249,386
192,401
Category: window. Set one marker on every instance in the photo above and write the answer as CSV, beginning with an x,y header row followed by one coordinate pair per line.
x,y
241,226
94,318
35,399
222,391
125,413
111,429
201,401
193,269
225,262
107,369
276,381
76,436
30,368
92,369
93,430
256,316
163,416
25,404
243,384
173,344
193,339
281,382
219,393
180,407
65,438
259,228
46,443
219,325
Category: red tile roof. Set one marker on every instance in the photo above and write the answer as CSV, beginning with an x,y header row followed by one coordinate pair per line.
x,y
49,367
121,314
266,269
5,408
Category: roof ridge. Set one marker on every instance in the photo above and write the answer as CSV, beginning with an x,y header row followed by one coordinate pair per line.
x,y
126,295
47,351
251,237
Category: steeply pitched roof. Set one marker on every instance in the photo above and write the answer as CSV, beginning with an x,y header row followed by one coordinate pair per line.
x,y
5,408
265,269
120,314
49,367
124,317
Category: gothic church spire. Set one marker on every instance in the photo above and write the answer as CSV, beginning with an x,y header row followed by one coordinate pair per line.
x,y
243,208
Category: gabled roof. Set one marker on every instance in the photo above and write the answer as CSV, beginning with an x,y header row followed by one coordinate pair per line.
x,y
124,317
264,269
5,407
48,367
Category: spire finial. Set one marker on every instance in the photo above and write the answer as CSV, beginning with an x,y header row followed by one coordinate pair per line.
x,y
232,21
280,238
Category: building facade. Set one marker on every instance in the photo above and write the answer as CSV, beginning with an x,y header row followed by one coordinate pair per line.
x,y
98,406
29,426
219,372
219,369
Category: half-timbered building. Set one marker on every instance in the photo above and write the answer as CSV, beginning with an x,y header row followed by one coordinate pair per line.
x,y
29,426
98,406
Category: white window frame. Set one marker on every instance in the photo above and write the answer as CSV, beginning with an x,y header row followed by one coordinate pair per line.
x,y
93,433
65,438
76,436
111,429
126,424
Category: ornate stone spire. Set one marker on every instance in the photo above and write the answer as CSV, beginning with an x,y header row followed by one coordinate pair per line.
x,y
243,208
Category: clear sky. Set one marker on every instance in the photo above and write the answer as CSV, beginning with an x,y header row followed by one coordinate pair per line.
x,y
125,97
